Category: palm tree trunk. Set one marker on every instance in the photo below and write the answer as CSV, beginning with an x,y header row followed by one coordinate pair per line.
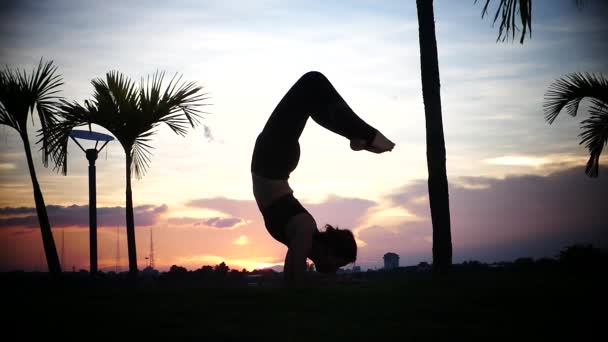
x,y
130,222
435,144
48,242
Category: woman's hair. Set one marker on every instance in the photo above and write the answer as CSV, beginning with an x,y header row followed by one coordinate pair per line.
x,y
340,242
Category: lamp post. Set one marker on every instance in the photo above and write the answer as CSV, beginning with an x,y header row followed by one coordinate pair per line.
x,y
91,155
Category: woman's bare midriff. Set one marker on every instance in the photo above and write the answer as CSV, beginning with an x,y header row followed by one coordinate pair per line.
x,y
266,190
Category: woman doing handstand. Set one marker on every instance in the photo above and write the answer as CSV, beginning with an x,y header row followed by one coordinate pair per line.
x,y
276,155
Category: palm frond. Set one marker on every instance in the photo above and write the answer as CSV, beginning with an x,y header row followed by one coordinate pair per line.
x,y
15,100
178,105
569,90
43,86
7,99
132,113
141,153
507,12
595,134
58,132
115,96
116,107
21,93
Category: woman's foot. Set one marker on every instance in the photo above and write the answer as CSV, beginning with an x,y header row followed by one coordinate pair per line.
x,y
379,144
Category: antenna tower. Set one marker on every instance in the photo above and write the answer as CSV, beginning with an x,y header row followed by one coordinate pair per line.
x,y
151,249
63,247
117,250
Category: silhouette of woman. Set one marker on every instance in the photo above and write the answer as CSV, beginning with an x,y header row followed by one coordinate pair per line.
x,y
276,155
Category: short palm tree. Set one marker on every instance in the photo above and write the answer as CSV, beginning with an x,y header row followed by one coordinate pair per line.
x,y
131,113
567,92
20,93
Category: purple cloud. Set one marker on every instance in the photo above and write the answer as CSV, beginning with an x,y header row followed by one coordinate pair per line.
x,y
501,219
216,222
339,211
184,221
223,222
78,216
335,210
8,211
247,209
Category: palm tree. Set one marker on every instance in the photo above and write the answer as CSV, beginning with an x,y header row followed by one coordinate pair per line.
x,y
507,11
131,113
567,92
19,95
435,143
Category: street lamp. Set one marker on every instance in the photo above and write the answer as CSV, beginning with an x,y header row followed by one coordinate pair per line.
x,y
91,154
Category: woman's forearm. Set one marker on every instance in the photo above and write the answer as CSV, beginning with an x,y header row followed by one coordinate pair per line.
x,y
300,230
295,267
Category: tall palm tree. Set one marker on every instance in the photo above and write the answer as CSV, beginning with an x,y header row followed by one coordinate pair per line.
x,y
20,93
567,92
508,11
131,113
435,143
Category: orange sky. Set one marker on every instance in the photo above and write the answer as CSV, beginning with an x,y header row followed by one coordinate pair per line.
x,y
511,174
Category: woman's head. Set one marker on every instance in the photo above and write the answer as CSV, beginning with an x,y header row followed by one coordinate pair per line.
x,y
336,248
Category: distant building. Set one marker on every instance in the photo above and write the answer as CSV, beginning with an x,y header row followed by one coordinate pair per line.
x,y
391,261
356,269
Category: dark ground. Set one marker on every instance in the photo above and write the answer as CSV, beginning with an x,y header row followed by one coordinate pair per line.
x,y
499,304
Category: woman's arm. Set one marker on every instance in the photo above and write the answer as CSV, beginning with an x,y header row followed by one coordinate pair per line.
x,y
300,230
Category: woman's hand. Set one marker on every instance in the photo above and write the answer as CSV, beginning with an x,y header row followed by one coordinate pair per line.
x,y
300,230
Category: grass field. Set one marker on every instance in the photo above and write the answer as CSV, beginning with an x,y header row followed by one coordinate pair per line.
x,y
378,306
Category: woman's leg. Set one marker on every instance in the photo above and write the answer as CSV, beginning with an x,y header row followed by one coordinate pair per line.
x,y
313,95
277,152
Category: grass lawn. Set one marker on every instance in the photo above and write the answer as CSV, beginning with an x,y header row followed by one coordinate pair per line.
x,y
378,306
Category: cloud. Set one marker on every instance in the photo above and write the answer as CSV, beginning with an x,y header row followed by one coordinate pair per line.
x,y
340,211
7,166
213,222
492,219
184,221
334,210
237,213
8,211
78,216
246,209
505,218
222,222
551,162
241,241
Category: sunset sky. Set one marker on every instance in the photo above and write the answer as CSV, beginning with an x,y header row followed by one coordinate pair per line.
x,y
517,184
